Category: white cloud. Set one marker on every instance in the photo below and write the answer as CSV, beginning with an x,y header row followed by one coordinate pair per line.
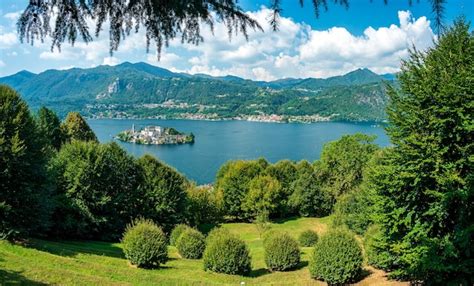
x,y
12,15
7,40
295,50
111,61
298,51
2,63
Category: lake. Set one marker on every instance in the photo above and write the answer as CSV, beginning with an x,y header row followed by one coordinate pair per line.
x,y
220,141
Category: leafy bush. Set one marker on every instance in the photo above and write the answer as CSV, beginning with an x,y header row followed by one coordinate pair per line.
x,y
354,210
308,238
372,242
144,244
337,258
225,253
281,252
176,233
269,233
191,244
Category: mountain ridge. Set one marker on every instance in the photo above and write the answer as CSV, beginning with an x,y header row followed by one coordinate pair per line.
x,y
142,90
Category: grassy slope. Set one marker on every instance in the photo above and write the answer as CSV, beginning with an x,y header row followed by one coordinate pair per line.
x,y
94,263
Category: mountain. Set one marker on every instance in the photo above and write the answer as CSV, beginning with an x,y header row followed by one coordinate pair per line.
x,y
143,90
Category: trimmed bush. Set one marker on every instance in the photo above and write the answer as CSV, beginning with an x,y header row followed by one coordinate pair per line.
x,y
176,233
144,244
337,258
308,238
225,253
191,244
281,252
269,233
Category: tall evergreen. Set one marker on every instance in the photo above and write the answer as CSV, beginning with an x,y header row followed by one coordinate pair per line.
x,y
426,186
24,196
76,128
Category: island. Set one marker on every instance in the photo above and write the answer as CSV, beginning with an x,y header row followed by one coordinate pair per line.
x,y
156,135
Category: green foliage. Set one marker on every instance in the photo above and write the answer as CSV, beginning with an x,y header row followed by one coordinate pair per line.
x,y
285,172
49,126
262,223
225,253
281,252
308,198
76,128
342,163
263,196
203,206
354,210
191,244
308,238
24,196
373,251
165,192
144,244
233,182
97,190
337,258
426,186
176,233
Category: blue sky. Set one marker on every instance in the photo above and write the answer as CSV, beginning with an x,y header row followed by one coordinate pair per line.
x,y
367,35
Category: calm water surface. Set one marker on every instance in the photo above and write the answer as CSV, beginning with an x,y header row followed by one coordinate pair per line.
x,y
220,141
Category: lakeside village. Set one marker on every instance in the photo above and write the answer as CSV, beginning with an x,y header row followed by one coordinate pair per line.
x,y
156,135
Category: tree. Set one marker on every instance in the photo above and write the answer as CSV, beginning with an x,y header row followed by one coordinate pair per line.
x,y
97,190
285,172
342,162
164,191
50,126
24,193
232,184
263,196
163,20
202,206
308,198
426,186
76,128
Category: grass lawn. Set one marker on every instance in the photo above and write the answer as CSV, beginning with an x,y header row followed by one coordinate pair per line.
x,y
100,263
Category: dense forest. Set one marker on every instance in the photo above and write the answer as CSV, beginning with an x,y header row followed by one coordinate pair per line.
x,y
411,203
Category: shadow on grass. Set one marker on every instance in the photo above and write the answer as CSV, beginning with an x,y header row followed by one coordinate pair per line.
x,y
263,271
16,278
73,248
284,220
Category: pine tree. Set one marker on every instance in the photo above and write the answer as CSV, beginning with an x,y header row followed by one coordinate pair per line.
x,y
50,126
426,184
76,128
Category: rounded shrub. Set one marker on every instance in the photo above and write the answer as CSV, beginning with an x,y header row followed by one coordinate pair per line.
x,y
337,258
225,253
269,233
308,238
281,252
176,233
191,244
144,244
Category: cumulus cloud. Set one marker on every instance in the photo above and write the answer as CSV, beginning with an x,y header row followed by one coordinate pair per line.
x,y
298,51
295,50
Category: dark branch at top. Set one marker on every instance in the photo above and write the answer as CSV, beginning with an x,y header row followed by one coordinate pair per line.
x,y
163,20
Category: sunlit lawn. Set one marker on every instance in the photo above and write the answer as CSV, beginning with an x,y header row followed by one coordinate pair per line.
x,y
100,263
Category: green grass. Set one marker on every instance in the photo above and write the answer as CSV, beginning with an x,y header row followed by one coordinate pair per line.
x,y
100,263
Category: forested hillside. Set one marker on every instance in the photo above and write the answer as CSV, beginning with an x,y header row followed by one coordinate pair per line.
x,y
141,90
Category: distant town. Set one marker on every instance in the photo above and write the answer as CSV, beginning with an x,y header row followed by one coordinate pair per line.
x,y
156,135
